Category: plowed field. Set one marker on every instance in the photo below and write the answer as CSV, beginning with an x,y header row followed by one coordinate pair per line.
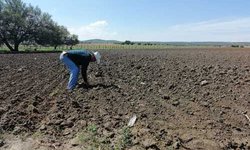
x,y
182,99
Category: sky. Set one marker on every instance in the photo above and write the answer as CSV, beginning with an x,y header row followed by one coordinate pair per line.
x,y
152,20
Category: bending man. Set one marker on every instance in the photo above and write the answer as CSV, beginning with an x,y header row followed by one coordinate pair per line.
x,y
73,59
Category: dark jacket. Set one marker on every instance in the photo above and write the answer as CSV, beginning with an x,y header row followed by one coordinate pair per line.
x,y
81,58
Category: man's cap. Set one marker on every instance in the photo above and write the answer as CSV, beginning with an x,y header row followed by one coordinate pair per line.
x,y
97,57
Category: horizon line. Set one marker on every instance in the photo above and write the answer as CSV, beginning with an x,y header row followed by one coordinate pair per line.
x,y
174,41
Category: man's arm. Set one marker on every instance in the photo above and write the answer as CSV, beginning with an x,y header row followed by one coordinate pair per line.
x,y
84,73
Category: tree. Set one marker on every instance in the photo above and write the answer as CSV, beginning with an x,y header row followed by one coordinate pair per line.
x,y
46,28
18,22
1,42
72,40
21,23
52,35
1,9
128,42
59,35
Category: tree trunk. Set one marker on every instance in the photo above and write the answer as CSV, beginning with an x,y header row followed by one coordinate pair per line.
x,y
16,45
55,47
8,45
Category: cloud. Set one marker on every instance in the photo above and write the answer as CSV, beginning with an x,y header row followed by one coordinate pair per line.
x,y
213,30
96,30
237,29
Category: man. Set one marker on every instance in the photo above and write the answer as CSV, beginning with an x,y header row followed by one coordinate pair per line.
x,y
73,59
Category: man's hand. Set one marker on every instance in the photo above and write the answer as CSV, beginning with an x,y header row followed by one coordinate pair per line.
x,y
87,84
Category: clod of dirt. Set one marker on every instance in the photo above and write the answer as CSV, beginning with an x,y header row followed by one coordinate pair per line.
x,y
176,145
75,141
108,134
43,127
68,123
75,104
2,142
67,131
147,143
108,125
17,130
20,69
234,145
166,97
2,110
83,123
247,80
204,82
176,103
99,74
205,104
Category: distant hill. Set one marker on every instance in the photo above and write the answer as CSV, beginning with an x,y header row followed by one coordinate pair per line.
x,y
207,43
196,43
100,41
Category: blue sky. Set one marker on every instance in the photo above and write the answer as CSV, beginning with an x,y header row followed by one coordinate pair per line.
x,y
152,20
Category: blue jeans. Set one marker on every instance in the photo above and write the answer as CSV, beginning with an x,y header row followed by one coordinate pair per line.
x,y
74,71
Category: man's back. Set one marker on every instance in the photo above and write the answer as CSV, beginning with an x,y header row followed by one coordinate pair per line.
x,y
79,57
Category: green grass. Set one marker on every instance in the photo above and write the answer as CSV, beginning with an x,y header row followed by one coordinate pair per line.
x,y
37,135
100,47
90,139
125,139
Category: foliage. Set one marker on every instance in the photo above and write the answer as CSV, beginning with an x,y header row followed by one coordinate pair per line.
x,y
18,22
128,43
90,138
21,23
126,136
52,34
1,9
93,129
72,40
125,139
240,46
